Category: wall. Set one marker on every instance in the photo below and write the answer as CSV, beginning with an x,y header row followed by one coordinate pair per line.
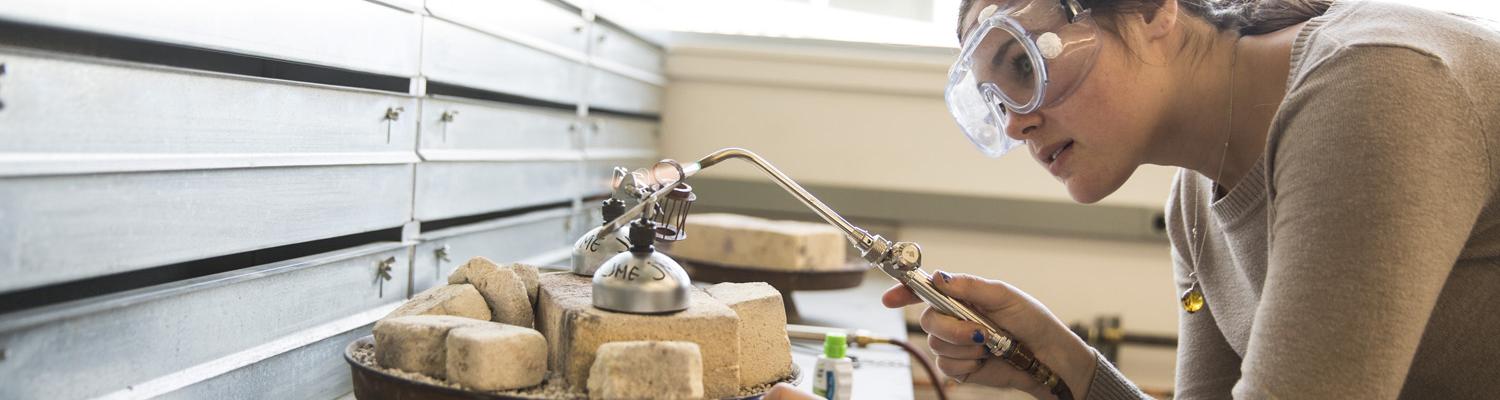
x,y
875,112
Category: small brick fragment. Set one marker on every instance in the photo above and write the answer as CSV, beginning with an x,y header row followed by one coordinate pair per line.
x,y
457,300
647,370
496,356
529,275
744,241
503,289
765,352
417,343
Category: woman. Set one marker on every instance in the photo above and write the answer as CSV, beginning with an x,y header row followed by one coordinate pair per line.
x,y
1333,221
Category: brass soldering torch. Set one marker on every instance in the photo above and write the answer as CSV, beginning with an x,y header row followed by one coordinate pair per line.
x,y
901,260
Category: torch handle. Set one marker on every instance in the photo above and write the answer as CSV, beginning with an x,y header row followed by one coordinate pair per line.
x,y
999,342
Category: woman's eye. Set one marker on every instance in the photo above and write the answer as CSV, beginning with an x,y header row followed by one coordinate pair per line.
x,y
1021,65
1013,66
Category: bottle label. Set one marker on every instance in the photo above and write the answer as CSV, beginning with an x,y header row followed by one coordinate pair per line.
x,y
821,383
832,389
833,379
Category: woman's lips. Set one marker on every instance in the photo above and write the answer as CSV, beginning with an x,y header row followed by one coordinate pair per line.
x,y
1058,158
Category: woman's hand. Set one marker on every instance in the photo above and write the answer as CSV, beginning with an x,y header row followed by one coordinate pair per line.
x,y
783,391
958,344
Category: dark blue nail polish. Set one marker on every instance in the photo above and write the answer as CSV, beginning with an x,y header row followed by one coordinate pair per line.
x,y
978,337
946,278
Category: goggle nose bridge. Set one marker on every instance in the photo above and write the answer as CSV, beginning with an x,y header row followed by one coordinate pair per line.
x,y
999,113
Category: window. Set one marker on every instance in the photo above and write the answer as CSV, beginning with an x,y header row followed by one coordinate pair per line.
x,y
907,22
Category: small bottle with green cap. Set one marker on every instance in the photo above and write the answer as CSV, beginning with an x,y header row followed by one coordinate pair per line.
x,y
833,376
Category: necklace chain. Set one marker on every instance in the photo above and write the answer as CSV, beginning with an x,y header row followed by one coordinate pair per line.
x,y
1198,234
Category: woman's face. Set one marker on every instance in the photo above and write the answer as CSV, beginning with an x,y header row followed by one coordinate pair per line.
x,y
1099,133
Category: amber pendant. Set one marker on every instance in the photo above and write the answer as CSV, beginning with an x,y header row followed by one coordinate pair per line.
x,y
1192,299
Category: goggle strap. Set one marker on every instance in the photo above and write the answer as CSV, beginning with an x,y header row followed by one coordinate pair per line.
x,y
1072,9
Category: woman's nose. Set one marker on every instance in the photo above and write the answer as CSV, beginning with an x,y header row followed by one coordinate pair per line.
x,y
1021,126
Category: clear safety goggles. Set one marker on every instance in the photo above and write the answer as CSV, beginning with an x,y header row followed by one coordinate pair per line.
x,y
1021,55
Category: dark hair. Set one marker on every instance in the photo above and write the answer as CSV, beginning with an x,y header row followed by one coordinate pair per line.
x,y
1249,17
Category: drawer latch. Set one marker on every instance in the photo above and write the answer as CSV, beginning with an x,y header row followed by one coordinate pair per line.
x,y
447,118
392,114
2,73
383,272
442,253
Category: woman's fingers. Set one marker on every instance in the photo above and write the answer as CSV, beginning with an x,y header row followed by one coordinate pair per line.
x,y
963,351
951,329
783,391
898,296
959,344
958,368
996,373
986,294
1009,308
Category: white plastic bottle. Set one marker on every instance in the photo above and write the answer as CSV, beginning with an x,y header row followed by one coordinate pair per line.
x,y
833,376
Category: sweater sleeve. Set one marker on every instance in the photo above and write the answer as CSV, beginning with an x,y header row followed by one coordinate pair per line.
x,y
1378,173
1109,384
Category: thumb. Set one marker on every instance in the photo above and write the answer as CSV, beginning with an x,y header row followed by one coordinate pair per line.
x,y
984,294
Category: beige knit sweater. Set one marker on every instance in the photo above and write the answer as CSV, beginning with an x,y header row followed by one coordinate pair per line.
x,y
1360,258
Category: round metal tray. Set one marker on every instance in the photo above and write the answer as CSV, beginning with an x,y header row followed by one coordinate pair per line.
x,y
785,281
374,384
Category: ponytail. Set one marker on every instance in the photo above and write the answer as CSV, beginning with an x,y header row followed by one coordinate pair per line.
x,y
1254,17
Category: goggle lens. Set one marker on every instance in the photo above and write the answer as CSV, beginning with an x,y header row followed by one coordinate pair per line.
x,y
1001,60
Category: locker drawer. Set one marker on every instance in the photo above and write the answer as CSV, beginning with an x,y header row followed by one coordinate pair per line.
x,y
350,34
462,56
505,240
415,6
96,346
459,188
64,228
612,135
535,23
115,116
617,46
464,129
314,371
612,91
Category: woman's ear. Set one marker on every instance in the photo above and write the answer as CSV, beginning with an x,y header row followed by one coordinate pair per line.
x,y
1147,33
1157,24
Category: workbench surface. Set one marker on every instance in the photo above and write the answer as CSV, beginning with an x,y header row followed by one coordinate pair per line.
x,y
883,371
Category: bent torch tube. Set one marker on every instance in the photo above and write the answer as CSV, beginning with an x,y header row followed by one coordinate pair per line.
x,y
901,260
